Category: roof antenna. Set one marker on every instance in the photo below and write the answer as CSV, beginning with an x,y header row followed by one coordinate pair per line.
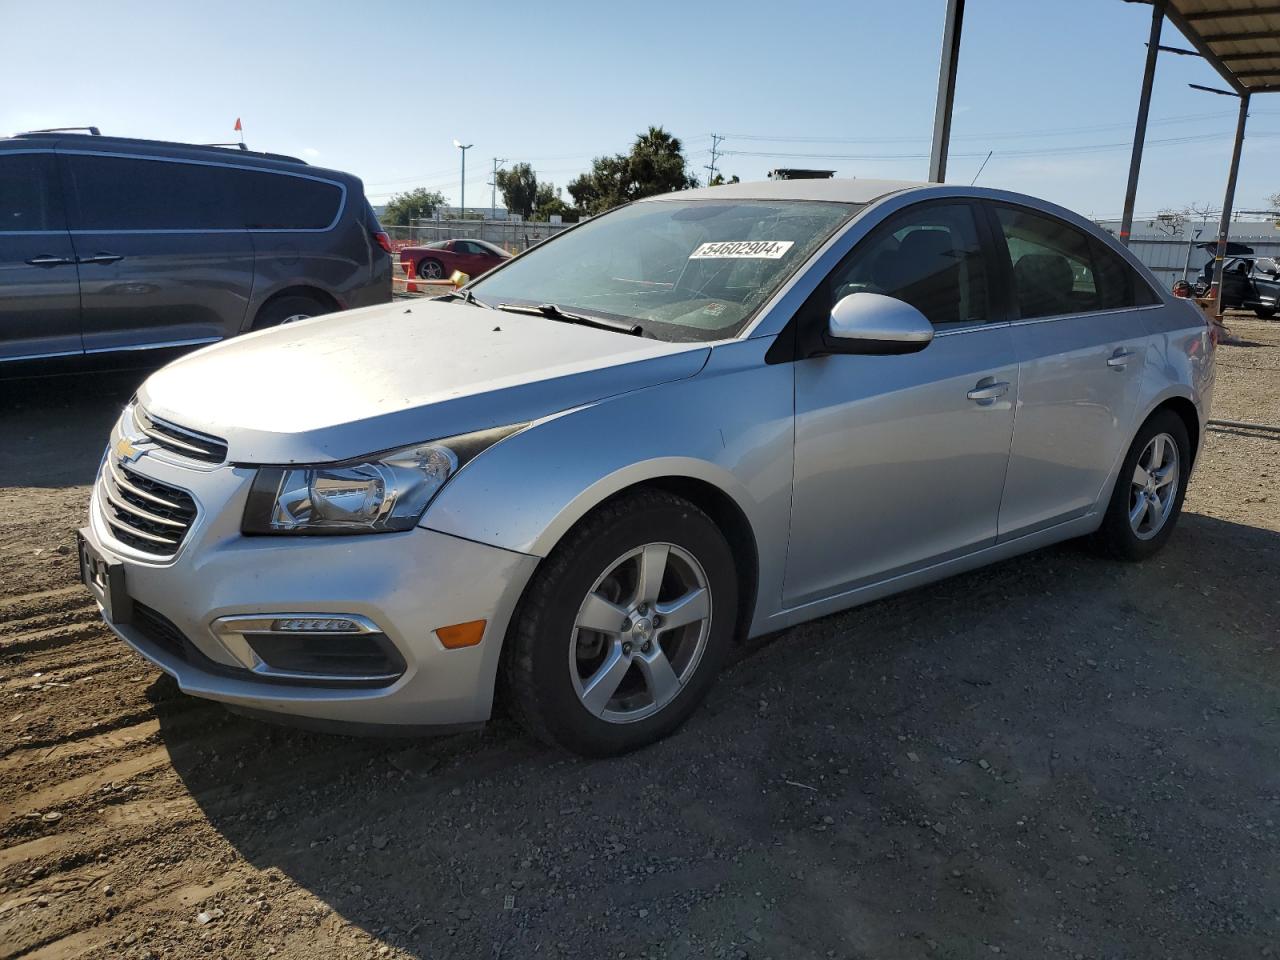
x,y
981,168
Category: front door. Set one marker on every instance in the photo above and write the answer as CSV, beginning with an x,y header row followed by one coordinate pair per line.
x,y
39,289
164,254
1081,345
900,460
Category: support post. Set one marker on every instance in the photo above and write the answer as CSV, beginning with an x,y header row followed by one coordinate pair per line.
x,y
1224,225
1140,129
946,91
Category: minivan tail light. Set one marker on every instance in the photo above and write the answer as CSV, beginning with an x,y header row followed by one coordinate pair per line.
x,y
384,241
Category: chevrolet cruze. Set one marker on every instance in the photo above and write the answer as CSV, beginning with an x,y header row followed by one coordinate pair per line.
x,y
577,482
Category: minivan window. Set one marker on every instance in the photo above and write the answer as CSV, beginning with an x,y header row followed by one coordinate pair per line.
x,y
127,193
274,201
927,256
682,269
29,195
1058,269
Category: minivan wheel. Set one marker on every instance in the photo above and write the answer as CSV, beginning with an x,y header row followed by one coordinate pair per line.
x,y
624,627
431,270
1152,483
289,309
1266,313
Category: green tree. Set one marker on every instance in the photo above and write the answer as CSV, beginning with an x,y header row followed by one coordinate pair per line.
x,y
718,180
655,164
414,205
550,202
519,187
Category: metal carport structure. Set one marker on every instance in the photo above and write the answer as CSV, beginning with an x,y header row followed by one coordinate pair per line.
x,y
1240,39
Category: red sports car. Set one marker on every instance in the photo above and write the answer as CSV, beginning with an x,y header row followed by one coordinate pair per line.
x,y
438,261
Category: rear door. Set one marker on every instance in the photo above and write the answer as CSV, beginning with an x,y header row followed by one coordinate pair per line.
x,y
164,255
39,289
1080,339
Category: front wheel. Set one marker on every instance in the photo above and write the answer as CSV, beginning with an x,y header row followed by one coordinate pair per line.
x,y
1152,483
624,628
1265,313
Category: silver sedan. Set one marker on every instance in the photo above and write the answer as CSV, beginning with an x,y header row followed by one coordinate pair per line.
x,y
579,481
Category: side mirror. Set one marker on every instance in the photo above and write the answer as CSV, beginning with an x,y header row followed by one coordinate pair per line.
x,y
871,323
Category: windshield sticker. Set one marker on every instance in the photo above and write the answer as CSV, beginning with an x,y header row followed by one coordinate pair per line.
x,y
743,250
713,309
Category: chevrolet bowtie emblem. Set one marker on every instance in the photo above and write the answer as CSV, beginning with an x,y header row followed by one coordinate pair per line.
x,y
125,450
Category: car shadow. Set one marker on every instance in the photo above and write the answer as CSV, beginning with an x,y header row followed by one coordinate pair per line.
x,y
1056,736
53,428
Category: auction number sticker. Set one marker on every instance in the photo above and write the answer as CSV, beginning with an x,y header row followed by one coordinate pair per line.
x,y
743,250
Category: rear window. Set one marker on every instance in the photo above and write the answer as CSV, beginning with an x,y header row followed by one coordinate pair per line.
x,y
29,196
125,193
273,201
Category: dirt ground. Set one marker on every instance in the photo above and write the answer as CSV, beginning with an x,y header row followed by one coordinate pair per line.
x,y
1054,757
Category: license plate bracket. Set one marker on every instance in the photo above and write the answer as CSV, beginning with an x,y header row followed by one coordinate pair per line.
x,y
105,580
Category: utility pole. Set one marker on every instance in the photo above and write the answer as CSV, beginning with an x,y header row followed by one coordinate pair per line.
x,y
716,140
493,193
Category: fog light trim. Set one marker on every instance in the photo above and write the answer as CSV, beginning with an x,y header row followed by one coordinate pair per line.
x,y
237,633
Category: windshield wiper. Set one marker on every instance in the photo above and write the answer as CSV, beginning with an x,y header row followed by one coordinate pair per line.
x,y
552,312
466,296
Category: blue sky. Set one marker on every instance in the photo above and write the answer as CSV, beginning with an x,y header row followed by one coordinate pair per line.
x,y
381,89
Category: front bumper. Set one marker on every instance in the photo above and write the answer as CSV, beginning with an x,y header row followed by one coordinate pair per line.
x,y
409,584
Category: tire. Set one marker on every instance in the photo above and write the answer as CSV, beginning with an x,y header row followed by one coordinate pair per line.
x,y
599,693
430,269
1126,539
288,309
1265,313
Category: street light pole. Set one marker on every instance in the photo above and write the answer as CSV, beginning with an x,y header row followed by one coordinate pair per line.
x,y
462,200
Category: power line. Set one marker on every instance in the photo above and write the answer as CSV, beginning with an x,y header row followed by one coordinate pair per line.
x,y
1050,151
1025,134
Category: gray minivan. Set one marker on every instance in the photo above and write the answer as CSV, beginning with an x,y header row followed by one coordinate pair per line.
x,y
111,245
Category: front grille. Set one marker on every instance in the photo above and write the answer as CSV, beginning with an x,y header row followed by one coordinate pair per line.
x,y
144,513
180,440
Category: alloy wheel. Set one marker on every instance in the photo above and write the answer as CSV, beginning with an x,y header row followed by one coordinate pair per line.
x,y
640,633
1154,487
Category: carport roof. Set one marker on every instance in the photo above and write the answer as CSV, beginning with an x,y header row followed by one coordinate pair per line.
x,y
1240,38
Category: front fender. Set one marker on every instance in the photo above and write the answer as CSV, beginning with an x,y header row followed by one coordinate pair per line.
x,y
730,426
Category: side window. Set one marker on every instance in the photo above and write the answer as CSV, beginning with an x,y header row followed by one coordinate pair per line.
x,y
30,198
276,201
929,257
122,193
1058,269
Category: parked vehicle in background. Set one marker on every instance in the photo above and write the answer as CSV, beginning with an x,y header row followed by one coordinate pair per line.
x,y
439,260
697,418
111,245
1248,283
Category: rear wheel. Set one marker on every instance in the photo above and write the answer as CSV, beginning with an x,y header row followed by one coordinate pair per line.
x,y
290,308
431,270
1149,490
624,628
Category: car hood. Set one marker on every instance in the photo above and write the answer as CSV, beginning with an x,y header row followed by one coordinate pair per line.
x,y
348,384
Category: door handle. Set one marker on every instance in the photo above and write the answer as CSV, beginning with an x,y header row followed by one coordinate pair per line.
x,y
49,260
988,391
101,258
1120,359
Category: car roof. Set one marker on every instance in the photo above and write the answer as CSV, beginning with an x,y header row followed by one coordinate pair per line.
x,y
165,148
853,190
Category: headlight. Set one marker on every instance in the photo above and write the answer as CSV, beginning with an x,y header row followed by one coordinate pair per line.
x,y
383,493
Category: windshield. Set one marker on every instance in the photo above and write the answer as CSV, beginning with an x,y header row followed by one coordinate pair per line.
x,y
681,269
